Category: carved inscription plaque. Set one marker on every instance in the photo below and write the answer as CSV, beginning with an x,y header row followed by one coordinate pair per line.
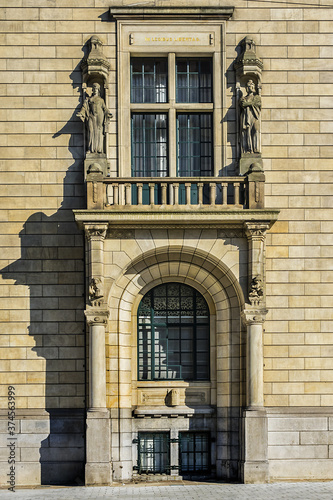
x,y
174,38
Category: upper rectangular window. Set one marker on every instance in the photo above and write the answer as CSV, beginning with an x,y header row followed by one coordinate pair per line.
x,y
149,80
171,103
149,145
194,80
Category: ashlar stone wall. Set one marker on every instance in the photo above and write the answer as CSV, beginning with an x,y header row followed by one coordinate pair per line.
x,y
42,331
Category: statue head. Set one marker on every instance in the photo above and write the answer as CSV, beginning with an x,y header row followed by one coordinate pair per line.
x,y
96,88
250,86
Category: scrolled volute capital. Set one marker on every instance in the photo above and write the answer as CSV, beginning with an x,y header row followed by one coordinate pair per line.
x,y
253,316
95,231
94,317
256,230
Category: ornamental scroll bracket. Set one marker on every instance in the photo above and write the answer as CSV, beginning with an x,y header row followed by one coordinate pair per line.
x,y
248,67
94,112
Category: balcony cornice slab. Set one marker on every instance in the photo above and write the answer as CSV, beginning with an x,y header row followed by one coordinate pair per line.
x,y
175,218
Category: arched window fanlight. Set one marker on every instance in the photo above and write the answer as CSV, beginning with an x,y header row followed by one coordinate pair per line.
x,y
173,334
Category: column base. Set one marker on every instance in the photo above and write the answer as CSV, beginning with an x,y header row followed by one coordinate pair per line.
x,y
98,470
255,468
97,474
255,472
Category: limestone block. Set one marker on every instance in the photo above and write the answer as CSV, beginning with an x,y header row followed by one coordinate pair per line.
x,y
297,469
284,438
298,452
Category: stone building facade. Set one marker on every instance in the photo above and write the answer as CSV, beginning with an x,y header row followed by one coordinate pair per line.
x,y
166,233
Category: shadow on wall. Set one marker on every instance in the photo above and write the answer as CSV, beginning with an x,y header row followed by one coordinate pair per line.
x,y
52,267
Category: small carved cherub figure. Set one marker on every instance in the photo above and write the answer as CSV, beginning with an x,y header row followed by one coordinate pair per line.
x,y
95,289
96,115
250,109
256,290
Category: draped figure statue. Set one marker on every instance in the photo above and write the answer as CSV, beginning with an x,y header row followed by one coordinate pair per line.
x,y
250,109
95,115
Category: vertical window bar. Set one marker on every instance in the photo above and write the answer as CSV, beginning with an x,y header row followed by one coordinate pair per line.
x,y
176,334
194,452
153,453
194,80
149,80
149,145
194,145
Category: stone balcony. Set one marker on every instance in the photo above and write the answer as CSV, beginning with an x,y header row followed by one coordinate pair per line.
x,y
179,193
176,202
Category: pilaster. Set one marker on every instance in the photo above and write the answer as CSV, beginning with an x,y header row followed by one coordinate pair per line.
x,y
254,429
98,424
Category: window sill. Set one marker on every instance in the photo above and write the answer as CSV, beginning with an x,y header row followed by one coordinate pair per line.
x,y
163,411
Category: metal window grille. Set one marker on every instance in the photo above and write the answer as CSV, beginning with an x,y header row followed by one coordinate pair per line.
x,y
149,80
173,334
194,452
194,145
149,145
194,80
153,453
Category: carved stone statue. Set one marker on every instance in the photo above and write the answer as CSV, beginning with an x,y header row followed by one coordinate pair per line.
x,y
256,290
95,289
95,115
250,109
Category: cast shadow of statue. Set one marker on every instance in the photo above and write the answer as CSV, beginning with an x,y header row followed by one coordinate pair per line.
x,y
230,118
51,267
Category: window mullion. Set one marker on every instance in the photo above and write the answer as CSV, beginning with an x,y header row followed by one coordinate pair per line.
x,y
172,116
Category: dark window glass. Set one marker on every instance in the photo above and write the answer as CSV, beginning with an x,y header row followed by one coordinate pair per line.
x,y
149,145
194,80
194,455
194,145
149,82
153,453
173,334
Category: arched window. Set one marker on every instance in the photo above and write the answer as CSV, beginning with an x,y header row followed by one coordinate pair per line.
x,y
173,334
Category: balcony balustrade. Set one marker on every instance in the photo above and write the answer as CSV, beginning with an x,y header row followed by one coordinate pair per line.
x,y
180,193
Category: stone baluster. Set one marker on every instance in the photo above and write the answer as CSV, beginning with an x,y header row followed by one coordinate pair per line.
x,y
128,194
188,193
176,193
152,193
212,192
224,193
200,193
164,192
236,193
139,186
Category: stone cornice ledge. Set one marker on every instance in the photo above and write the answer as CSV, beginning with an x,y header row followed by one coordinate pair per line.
x,y
147,13
176,218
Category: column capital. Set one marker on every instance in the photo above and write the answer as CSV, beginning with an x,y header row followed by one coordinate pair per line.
x,y
96,317
95,231
253,316
256,230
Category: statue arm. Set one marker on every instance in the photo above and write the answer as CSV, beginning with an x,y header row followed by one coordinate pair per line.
x,y
83,113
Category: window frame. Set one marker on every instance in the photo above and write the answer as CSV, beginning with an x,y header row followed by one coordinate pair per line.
x,y
164,437
213,34
195,326
195,435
